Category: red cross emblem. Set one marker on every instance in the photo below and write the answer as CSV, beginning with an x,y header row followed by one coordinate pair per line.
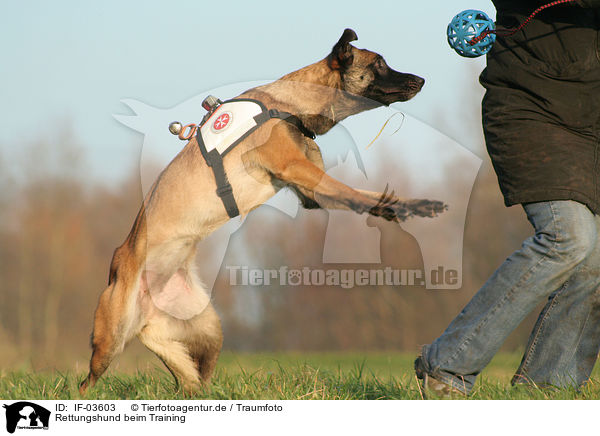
x,y
222,122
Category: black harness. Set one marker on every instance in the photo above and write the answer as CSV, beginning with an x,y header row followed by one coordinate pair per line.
x,y
214,159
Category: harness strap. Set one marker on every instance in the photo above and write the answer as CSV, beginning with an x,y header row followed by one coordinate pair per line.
x,y
215,160
224,189
285,116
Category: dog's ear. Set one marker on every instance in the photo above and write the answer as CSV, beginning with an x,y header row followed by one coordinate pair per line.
x,y
341,55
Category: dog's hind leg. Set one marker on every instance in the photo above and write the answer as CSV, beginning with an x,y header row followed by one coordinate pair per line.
x,y
115,322
188,348
184,330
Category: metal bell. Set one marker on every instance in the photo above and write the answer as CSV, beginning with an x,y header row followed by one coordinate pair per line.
x,y
175,127
210,103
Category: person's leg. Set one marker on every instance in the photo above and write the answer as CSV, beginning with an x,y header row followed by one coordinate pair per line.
x,y
565,341
565,234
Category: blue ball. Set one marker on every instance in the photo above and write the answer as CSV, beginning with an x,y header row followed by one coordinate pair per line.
x,y
467,25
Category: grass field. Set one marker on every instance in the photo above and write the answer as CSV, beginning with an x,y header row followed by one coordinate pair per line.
x,y
289,376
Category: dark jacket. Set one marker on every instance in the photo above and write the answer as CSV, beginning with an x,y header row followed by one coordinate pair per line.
x,y
541,110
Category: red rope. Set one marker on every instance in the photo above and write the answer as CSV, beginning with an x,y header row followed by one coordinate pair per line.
x,y
485,33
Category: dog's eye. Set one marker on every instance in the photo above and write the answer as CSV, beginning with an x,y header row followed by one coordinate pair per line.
x,y
362,77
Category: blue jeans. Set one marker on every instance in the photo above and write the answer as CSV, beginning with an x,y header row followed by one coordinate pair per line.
x,y
560,263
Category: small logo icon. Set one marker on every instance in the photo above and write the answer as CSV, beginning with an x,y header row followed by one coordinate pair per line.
x,y
26,415
222,122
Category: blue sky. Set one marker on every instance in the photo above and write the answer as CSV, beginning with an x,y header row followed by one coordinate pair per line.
x,y
71,62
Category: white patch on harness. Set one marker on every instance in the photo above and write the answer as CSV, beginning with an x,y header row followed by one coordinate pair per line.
x,y
228,124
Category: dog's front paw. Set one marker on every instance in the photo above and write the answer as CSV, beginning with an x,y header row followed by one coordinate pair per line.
x,y
392,208
424,208
391,213
389,208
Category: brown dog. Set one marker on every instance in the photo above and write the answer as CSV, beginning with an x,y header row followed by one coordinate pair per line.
x,y
156,260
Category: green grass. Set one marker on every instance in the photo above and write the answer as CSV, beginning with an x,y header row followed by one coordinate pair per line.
x,y
289,376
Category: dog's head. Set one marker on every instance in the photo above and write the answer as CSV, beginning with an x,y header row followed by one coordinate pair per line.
x,y
366,74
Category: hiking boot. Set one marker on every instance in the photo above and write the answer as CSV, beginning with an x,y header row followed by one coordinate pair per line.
x,y
430,387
